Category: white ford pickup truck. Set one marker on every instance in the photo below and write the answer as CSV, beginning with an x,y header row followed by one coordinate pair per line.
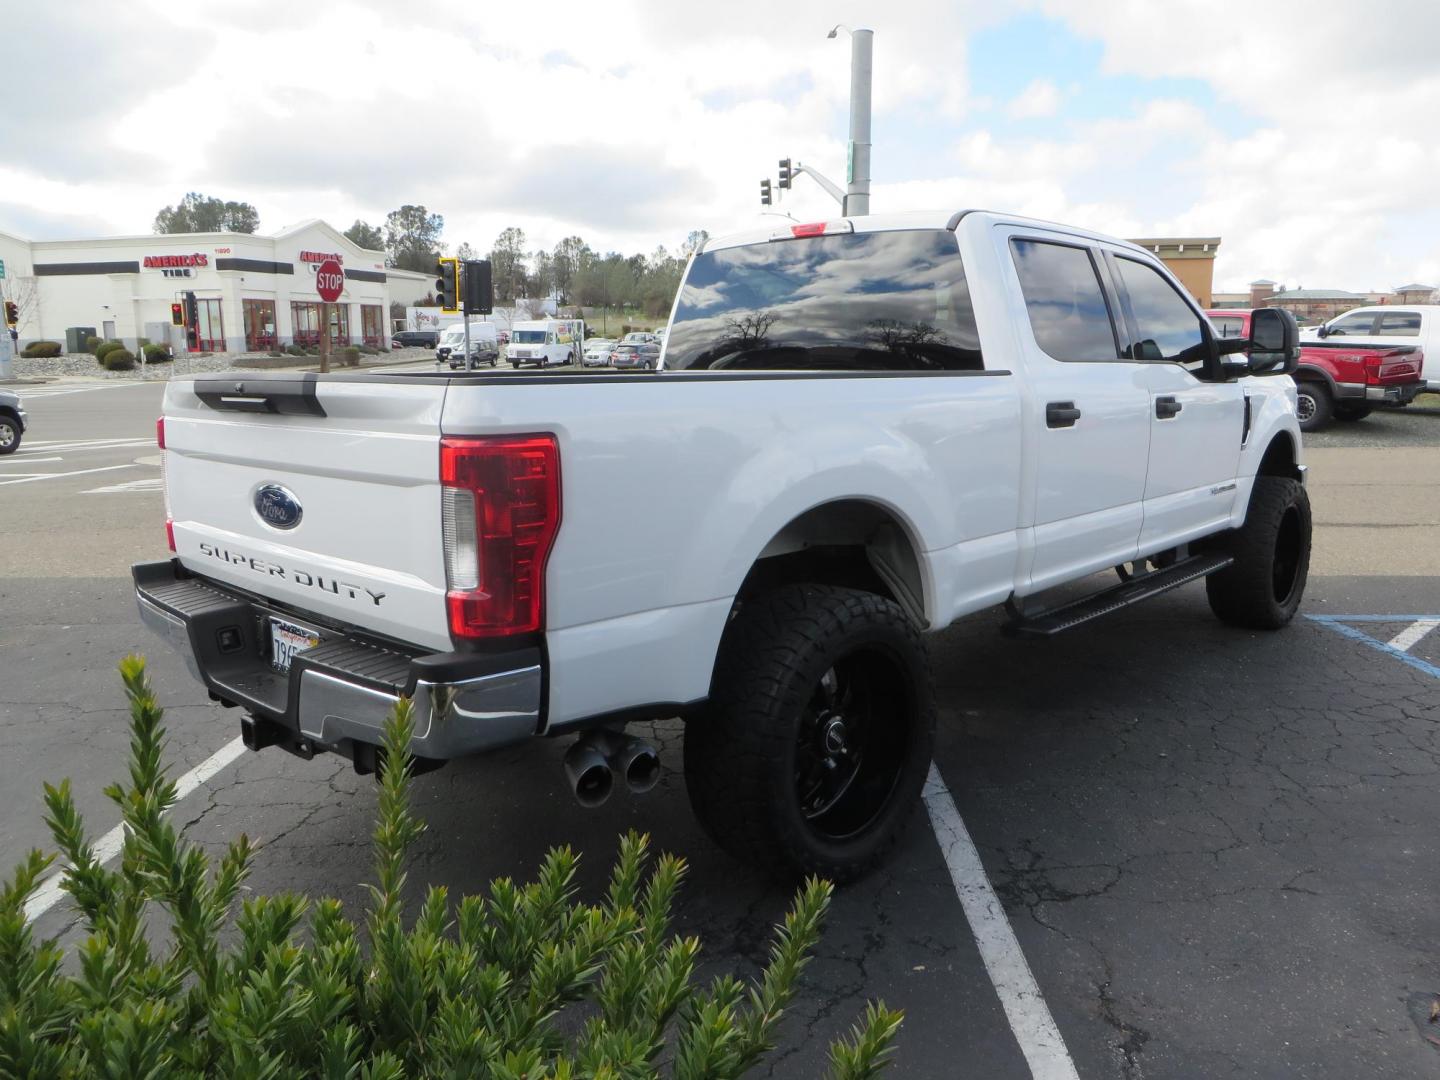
x,y
861,430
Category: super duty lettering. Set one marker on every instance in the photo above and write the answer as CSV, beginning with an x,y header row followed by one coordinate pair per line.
x,y
300,577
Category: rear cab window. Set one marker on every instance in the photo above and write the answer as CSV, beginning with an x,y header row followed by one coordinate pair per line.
x,y
1400,324
871,301
1228,326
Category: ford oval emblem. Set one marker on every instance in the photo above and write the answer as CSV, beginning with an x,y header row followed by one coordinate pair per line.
x,y
277,507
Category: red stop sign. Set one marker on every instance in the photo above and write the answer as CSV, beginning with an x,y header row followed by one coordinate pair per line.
x,y
329,281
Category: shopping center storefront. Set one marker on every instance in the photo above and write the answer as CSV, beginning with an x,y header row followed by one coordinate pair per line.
x,y
230,292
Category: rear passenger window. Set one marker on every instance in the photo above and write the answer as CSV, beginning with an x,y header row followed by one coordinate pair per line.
x,y
1168,329
1400,324
1063,298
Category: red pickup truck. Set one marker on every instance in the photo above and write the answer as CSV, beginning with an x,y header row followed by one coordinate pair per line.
x,y
1338,379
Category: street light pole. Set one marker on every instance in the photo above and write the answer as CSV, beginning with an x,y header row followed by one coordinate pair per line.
x,y
857,171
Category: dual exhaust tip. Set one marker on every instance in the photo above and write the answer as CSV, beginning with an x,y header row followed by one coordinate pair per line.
x,y
597,757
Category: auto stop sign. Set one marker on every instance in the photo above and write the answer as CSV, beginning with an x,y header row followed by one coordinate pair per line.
x,y
329,281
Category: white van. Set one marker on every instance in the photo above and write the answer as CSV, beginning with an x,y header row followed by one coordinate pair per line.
x,y
484,344
543,342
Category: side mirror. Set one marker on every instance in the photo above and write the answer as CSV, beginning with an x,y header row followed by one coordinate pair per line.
x,y
1274,342
1324,330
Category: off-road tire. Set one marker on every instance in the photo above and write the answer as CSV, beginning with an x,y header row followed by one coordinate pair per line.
x,y
10,434
1314,406
1352,412
743,752
1262,588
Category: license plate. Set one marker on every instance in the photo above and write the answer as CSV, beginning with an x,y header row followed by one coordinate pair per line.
x,y
287,640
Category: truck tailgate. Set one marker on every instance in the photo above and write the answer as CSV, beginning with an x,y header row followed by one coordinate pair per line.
x,y
354,464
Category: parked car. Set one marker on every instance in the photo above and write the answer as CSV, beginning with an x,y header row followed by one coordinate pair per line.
x,y
640,337
1410,324
597,352
635,355
412,339
12,422
863,432
484,345
1344,374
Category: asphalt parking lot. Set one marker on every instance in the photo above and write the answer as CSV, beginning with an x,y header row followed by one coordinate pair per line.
x,y
1216,850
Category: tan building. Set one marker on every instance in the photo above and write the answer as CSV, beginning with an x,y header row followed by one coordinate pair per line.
x,y
1191,259
1315,305
1415,294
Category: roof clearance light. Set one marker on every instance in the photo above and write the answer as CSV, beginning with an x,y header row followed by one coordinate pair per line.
x,y
814,228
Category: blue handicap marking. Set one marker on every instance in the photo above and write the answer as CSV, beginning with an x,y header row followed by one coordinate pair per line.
x,y
1349,625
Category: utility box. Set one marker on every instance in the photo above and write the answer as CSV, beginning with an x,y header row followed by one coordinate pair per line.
x,y
76,336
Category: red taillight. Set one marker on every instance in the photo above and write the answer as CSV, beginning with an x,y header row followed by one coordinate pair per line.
x,y
814,228
501,512
164,483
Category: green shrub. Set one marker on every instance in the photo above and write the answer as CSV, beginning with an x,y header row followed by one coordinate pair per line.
x,y
119,360
157,354
473,989
107,347
350,354
92,343
295,350
42,350
275,352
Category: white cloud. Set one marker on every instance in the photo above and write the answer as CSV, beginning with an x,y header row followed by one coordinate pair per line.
x,y
633,123
1041,98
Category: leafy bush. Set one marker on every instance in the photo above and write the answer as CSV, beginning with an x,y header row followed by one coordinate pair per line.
x,y
107,347
119,360
42,350
156,354
474,989
275,352
350,355
295,350
92,343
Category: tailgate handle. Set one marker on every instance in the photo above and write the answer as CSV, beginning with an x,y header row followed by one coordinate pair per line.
x,y
285,395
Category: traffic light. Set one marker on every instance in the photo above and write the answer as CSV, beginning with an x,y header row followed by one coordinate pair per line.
x,y
177,314
479,287
447,284
12,313
764,192
785,173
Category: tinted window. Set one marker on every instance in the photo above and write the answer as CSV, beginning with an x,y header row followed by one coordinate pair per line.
x,y
1350,325
1067,308
889,301
1168,327
1228,326
1400,324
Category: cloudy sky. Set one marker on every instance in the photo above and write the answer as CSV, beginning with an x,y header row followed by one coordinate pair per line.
x,y
1307,135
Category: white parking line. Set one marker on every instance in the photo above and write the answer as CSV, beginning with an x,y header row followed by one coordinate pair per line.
x,y
29,461
1045,1051
1411,636
62,475
149,483
109,845
87,444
